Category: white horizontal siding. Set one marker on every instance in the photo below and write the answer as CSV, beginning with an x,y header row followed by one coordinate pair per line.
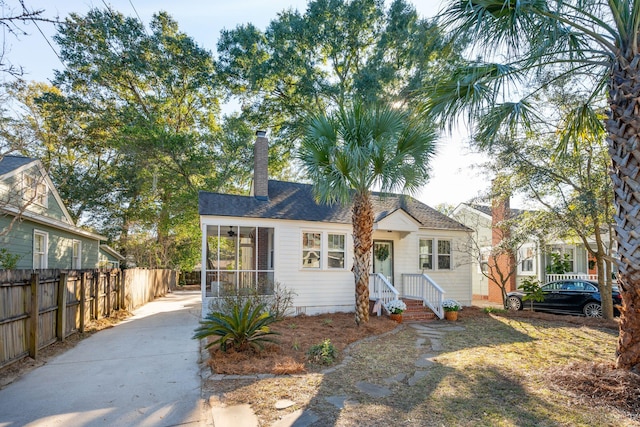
x,y
456,282
327,290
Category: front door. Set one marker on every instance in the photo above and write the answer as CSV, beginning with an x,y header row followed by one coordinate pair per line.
x,y
383,258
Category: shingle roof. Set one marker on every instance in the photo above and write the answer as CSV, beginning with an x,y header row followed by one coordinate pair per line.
x,y
295,201
487,210
10,163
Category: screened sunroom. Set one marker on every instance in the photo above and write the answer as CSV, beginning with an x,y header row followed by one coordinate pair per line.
x,y
239,260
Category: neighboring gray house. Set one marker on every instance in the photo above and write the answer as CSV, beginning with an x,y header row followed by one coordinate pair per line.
x,y
279,234
110,258
35,224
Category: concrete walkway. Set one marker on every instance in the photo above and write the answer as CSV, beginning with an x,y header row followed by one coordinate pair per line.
x,y
143,372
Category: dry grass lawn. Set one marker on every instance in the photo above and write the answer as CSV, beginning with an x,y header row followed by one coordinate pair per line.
x,y
504,369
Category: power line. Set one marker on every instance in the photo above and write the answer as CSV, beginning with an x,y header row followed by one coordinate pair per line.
x,y
49,43
139,19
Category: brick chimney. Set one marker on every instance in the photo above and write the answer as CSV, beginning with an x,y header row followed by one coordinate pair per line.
x,y
260,187
502,265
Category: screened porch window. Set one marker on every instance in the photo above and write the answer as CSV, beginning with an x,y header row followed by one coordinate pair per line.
x,y
239,260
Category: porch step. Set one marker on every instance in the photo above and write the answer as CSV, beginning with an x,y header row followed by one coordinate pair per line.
x,y
416,311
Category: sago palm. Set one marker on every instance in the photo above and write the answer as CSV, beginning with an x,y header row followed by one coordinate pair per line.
x,y
593,42
352,151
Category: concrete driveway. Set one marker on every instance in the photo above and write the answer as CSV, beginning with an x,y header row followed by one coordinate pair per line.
x,y
143,372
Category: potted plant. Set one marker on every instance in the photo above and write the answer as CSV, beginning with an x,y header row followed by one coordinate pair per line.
x,y
395,308
451,308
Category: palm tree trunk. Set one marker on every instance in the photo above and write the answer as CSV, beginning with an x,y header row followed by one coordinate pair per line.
x,y
362,221
624,134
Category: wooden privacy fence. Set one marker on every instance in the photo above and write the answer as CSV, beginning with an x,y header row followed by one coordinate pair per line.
x,y
65,302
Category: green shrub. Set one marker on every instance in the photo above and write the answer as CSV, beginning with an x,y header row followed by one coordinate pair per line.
x,y
8,261
322,354
531,287
243,329
278,304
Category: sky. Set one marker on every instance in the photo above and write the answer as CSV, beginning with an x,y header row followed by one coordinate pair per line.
x,y
454,179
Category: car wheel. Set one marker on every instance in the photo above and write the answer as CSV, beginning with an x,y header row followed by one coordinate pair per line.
x,y
592,309
514,303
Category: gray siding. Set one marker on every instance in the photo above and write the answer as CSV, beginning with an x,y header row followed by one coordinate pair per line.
x,y
13,185
19,240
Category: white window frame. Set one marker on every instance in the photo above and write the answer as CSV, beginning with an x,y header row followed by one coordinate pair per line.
x,y
428,255
76,259
42,255
485,255
435,254
310,249
323,251
343,251
450,254
35,191
527,253
564,249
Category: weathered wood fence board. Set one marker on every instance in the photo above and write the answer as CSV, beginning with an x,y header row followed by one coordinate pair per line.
x,y
66,301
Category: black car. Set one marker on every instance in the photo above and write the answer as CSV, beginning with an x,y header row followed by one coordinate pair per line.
x,y
566,296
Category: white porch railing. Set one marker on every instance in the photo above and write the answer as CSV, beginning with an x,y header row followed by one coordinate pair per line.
x,y
381,290
421,286
583,276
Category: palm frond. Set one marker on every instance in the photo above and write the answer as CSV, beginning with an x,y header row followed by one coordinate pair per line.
x,y
368,146
508,119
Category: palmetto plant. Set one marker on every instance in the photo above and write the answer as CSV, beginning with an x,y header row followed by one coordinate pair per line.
x,y
348,153
596,44
245,328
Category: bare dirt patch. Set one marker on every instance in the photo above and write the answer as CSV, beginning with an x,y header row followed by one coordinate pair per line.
x,y
297,335
14,371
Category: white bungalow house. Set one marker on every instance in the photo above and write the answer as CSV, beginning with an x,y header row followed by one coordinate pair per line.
x,y
279,235
532,258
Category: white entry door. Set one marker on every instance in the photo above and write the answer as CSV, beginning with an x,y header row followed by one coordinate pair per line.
x,y
383,258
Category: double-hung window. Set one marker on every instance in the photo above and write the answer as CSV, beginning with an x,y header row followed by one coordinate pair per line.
x,y
40,249
527,260
323,250
76,255
442,254
426,254
35,190
336,250
311,250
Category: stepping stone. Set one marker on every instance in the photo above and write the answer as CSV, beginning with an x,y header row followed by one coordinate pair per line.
x,y
284,404
432,336
299,418
425,360
415,378
373,390
436,345
232,416
420,342
339,401
396,378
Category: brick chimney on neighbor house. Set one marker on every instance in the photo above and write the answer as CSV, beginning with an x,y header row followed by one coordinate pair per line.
x,y
260,187
502,265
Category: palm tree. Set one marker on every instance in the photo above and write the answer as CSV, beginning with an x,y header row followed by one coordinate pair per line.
x,y
351,151
596,44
